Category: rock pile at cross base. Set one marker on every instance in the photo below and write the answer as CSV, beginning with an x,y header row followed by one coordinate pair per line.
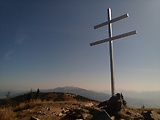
x,y
113,109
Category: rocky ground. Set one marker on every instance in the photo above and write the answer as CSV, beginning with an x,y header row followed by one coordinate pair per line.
x,y
73,110
113,109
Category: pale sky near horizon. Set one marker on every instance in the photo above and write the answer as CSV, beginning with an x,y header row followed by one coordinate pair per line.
x,y
45,44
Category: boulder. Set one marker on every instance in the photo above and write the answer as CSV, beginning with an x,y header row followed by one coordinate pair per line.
x,y
150,115
103,104
114,104
147,115
101,115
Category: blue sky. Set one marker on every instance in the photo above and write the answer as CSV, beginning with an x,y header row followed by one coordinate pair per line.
x,y
45,44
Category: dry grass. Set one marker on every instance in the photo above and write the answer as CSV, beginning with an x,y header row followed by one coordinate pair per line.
x,y
23,110
28,105
7,114
47,110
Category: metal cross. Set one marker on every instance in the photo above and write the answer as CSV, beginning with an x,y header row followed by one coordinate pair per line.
x,y
110,40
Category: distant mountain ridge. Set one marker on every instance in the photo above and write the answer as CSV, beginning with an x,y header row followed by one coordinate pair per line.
x,y
79,91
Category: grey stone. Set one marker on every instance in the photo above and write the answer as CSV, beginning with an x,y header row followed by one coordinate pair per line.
x,y
147,115
101,115
114,104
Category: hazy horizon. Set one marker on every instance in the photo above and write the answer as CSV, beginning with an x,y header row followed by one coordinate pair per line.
x,y
46,44
95,90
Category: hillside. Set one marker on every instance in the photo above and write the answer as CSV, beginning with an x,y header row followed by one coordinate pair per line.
x,y
50,96
42,105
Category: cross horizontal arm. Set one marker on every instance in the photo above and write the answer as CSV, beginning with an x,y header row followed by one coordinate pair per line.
x,y
114,38
111,21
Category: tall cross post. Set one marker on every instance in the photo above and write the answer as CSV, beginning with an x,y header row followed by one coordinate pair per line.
x,y
110,40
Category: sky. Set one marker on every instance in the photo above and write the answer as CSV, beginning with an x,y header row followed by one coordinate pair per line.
x,y
46,44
